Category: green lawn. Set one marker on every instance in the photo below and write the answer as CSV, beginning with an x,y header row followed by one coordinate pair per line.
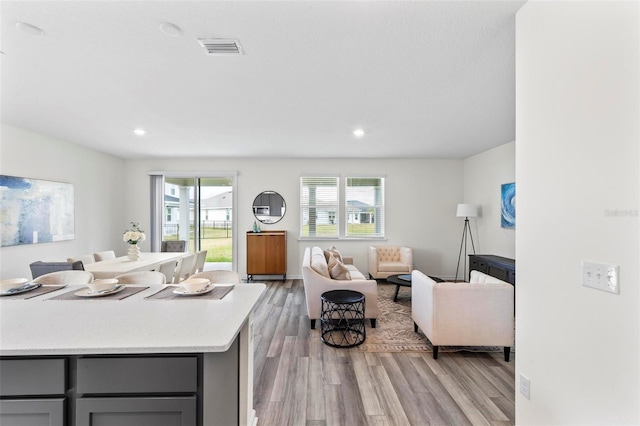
x,y
217,242
353,229
218,249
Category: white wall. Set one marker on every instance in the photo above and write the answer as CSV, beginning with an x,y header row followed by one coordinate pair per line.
x,y
421,198
98,192
577,161
484,174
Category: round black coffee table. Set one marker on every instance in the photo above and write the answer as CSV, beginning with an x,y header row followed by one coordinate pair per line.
x,y
404,280
342,318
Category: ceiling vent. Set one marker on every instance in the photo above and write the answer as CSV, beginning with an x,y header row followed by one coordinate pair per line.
x,y
221,46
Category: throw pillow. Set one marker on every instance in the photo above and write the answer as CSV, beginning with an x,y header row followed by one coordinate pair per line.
x,y
336,253
337,270
319,264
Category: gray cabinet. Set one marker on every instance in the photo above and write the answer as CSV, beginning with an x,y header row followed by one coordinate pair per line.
x,y
134,375
137,391
33,391
137,411
32,412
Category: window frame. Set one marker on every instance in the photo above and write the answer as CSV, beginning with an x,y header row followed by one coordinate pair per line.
x,y
378,207
342,208
305,183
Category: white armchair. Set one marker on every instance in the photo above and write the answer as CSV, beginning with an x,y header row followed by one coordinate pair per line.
x,y
389,260
478,313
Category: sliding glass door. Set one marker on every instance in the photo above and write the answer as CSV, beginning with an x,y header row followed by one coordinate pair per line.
x,y
199,210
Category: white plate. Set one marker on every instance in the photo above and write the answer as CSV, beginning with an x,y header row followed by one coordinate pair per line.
x,y
183,291
86,292
23,289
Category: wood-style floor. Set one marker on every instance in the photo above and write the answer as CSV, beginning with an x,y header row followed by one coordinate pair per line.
x,y
301,381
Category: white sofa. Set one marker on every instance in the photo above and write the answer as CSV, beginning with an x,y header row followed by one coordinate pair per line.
x,y
478,313
389,260
317,280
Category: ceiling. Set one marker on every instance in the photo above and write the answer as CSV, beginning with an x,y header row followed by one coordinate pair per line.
x,y
424,79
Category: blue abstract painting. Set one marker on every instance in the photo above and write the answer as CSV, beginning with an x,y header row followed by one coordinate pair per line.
x,y
35,211
508,205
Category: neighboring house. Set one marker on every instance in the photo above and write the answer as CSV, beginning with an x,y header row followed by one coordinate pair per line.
x,y
359,212
217,208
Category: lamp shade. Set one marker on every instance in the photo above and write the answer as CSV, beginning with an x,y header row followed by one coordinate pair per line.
x,y
467,210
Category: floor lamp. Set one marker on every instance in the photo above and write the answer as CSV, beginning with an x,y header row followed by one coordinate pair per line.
x,y
466,211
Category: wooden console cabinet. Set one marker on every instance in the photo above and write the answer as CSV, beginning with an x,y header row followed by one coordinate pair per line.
x,y
267,253
502,268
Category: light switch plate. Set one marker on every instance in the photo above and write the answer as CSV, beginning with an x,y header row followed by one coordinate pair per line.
x,y
601,276
525,386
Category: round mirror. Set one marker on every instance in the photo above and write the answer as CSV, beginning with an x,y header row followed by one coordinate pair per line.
x,y
269,207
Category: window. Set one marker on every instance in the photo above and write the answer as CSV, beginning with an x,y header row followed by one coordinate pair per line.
x,y
364,207
319,203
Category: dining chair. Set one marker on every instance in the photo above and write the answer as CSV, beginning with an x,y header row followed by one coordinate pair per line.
x,y
173,246
183,270
198,265
40,268
219,276
104,255
85,259
142,277
69,277
168,268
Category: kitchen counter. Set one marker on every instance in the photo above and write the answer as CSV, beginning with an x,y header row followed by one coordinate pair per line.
x,y
216,334
40,326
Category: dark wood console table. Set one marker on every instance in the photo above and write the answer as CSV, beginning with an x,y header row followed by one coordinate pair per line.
x,y
502,268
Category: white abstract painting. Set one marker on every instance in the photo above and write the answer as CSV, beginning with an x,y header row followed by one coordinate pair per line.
x,y
35,211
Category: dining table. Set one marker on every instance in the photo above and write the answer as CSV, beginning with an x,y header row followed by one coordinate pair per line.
x,y
148,261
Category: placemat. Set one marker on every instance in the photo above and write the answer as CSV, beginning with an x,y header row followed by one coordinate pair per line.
x,y
33,293
167,293
123,294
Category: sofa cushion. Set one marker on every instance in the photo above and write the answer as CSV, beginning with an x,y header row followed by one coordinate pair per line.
x,y
337,269
391,266
319,263
355,273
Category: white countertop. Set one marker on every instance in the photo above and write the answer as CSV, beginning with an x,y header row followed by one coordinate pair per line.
x,y
39,326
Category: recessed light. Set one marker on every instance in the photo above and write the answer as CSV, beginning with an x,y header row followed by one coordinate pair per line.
x,y
30,29
140,132
358,133
172,30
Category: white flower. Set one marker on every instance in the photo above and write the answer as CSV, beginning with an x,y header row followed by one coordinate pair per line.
x,y
135,235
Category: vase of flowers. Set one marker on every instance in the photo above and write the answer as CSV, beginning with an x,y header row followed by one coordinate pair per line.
x,y
132,237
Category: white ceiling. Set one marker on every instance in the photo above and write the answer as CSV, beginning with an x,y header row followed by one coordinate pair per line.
x,y
432,79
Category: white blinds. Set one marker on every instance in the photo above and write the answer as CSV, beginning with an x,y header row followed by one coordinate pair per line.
x,y
364,207
319,207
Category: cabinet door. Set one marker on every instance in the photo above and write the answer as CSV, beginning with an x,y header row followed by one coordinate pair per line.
x,y
256,254
35,376
170,411
101,375
276,254
32,412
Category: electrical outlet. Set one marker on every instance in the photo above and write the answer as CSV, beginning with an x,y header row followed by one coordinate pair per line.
x,y
600,276
525,386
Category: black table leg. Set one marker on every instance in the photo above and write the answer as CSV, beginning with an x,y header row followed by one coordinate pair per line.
x,y
395,297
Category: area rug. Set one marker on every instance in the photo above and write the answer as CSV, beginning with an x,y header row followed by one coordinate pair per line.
x,y
394,327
